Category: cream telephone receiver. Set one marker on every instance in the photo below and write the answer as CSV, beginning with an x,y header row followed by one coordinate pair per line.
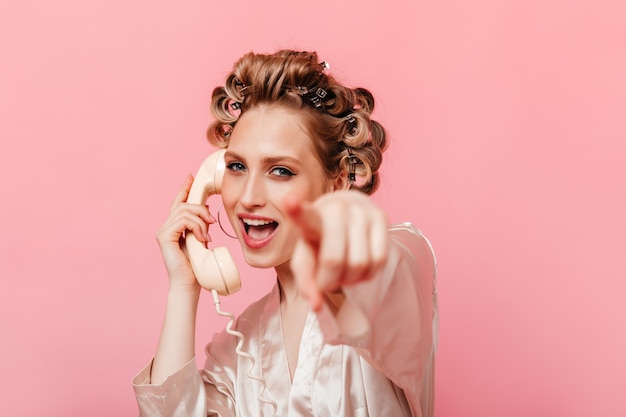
x,y
215,268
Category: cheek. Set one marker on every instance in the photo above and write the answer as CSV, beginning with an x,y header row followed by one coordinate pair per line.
x,y
308,187
229,192
317,189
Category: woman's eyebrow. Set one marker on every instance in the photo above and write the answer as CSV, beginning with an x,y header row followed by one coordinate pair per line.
x,y
231,154
267,160
278,159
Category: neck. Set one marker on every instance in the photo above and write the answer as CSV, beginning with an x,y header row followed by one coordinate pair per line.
x,y
289,292
290,295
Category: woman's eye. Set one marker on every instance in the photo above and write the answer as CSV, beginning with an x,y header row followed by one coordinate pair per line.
x,y
282,172
235,166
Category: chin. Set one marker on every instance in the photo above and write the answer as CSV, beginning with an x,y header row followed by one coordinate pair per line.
x,y
262,261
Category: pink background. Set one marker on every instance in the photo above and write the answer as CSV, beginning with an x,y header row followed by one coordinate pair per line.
x,y
508,148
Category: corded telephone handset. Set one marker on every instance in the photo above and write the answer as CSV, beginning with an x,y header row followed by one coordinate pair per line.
x,y
215,268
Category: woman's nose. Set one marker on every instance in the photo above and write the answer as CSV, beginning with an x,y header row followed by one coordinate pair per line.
x,y
253,193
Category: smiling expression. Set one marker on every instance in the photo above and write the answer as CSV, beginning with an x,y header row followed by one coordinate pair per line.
x,y
269,157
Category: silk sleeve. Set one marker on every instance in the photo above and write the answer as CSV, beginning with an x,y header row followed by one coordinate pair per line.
x,y
181,394
189,392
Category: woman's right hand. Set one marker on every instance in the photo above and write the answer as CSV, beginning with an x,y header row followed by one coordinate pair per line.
x,y
183,218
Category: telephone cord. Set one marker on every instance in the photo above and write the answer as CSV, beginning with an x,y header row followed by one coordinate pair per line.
x,y
241,353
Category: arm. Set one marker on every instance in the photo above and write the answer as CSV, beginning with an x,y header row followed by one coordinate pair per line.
x,y
189,392
177,341
386,307
346,245
168,399
176,344
171,384
392,319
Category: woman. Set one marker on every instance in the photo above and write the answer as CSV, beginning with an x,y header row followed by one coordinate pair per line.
x,y
350,326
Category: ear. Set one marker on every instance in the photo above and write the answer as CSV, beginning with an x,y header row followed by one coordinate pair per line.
x,y
341,182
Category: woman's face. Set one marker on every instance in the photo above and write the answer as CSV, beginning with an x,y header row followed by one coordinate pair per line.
x,y
269,157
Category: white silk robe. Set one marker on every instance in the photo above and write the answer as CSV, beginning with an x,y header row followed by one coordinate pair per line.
x,y
373,357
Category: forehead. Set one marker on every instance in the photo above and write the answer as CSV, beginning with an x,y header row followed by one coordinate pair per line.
x,y
271,128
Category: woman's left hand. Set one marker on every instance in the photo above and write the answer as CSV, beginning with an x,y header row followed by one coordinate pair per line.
x,y
343,241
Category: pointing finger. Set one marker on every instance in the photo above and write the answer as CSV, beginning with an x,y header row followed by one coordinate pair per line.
x,y
304,261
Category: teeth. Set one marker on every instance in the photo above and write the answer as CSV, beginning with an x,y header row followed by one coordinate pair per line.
x,y
256,222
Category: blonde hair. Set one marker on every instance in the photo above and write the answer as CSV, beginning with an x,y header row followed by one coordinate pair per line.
x,y
337,117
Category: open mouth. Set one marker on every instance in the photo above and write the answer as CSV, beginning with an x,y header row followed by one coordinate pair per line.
x,y
258,229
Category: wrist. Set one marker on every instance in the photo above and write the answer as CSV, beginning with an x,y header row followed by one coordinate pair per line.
x,y
185,290
183,302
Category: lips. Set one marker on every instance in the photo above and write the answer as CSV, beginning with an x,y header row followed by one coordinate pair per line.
x,y
258,231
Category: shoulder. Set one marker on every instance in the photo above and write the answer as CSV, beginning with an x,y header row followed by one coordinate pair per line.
x,y
249,318
413,243
408,234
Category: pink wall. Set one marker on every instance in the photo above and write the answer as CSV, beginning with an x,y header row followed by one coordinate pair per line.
x,y
508,127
